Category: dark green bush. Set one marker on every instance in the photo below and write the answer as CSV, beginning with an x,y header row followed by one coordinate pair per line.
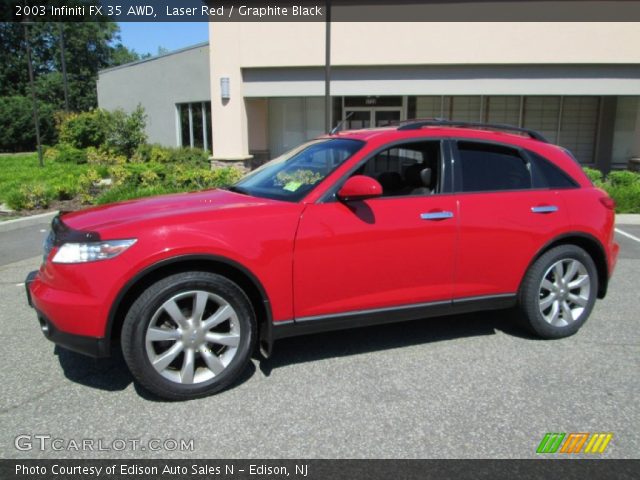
x,y
86,129
17,131
116,132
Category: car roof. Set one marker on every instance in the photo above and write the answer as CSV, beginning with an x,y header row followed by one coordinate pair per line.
x,y
395,133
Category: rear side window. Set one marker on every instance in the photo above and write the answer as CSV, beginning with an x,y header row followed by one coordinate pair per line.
x,y
487,167
549,175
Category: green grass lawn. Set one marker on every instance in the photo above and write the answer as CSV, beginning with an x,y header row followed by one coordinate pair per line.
x,y
21,171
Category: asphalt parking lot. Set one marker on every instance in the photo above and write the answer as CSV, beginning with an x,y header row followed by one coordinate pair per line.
x,y
470,386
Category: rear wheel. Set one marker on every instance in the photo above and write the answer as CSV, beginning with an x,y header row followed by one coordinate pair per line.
x,y
189,335
559,291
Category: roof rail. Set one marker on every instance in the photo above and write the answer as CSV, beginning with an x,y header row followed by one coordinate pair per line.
x,y
437,122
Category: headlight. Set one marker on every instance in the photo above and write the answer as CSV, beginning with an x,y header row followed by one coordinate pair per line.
x,y
91,251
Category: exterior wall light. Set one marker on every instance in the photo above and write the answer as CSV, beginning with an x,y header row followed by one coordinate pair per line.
x,y
225,91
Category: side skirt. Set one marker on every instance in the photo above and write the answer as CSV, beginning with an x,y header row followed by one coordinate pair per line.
x,y
365,318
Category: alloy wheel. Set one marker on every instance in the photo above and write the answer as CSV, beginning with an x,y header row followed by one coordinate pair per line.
x,y
564,292
192,337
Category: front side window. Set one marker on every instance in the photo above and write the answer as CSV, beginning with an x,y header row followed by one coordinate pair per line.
x,y
488,167
294,174
407,169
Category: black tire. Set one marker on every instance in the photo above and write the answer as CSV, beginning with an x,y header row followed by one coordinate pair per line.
x,y
531,293
148,307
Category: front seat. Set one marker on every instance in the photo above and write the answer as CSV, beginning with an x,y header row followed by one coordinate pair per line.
x,y
419,180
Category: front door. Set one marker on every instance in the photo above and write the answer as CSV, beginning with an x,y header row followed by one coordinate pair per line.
x,y
396,250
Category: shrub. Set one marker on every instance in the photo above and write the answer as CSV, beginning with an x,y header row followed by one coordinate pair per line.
x,y
87,185
66,189
622,185
63,153
116,132
126,132
128,192
186,155
152,153
149,178
627,197
120,175
623,178
101,156
30,197
594,175
86,129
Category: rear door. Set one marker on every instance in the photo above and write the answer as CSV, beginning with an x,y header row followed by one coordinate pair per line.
x,y
505,215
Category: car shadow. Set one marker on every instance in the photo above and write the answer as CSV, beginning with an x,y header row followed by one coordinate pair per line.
x,y
111,374
356,341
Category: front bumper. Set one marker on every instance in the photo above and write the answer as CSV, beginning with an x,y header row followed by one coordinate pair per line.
x,y
92,346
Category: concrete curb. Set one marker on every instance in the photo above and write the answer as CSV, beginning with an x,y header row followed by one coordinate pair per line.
x,y
15,224
628,219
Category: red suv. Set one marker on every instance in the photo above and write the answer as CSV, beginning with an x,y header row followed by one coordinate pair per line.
x,y
355,228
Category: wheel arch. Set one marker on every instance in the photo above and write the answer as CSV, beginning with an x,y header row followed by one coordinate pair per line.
x,y
591,245
230,269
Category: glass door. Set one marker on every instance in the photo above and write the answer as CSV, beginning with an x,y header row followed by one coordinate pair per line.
x,y
357,119
386,117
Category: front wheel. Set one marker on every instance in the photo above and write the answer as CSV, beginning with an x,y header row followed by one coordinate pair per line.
x,y
559,291
189,335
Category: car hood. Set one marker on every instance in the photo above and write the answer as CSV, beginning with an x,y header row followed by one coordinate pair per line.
x,y
180,206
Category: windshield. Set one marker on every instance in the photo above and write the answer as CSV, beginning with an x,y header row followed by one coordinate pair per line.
x,y
294,174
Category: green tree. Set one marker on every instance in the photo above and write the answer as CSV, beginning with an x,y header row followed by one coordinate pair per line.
x,y
89,48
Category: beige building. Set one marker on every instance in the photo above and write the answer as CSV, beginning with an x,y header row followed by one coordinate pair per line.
x,y
257,89
577,83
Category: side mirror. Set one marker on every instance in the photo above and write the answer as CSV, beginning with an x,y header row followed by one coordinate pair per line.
x,y
360,187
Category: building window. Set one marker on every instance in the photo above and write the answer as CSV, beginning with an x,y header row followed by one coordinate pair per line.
x,y
542,114
626,130
292,121
502,109
570,121
579,126
194,128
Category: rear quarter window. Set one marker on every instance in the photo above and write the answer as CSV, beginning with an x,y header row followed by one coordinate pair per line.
x,y
549,175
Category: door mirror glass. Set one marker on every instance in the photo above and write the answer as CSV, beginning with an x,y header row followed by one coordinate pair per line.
x,y
360,187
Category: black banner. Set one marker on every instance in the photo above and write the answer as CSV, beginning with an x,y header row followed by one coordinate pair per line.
x,y
311,11
319,469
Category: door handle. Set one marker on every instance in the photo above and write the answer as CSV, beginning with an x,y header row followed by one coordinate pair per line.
x,y
436,215
544,209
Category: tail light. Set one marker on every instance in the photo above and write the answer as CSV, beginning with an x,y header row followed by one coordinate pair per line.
x,y
608,202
